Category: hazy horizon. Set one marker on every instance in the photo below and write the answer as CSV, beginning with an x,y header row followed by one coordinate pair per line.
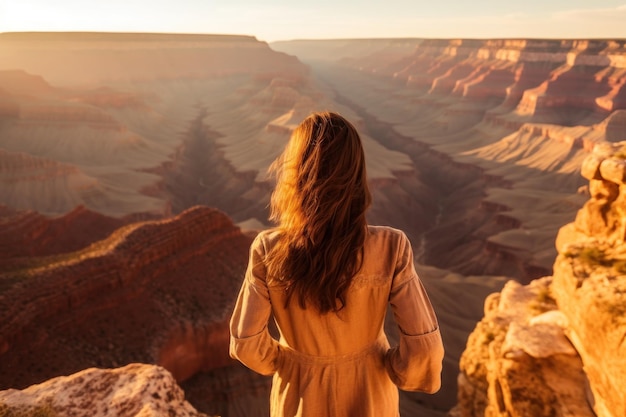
x,y
251,36
278,20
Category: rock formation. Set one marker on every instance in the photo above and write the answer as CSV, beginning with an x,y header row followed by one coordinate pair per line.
x,y
61,149
155,292
134,390
556,346
329,50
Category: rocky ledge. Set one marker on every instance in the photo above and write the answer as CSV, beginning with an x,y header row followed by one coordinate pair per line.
x,y
557,347
134,390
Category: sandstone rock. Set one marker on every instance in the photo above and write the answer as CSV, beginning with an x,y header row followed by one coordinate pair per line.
x,y
603,150
591,167
531,339
522,361
591,292
136,390
613,170
518,361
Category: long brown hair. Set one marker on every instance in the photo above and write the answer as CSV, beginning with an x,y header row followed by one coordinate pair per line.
x,y
319,204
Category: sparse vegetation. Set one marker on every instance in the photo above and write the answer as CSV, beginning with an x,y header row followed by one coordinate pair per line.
x,y
616,308
544,301
545,295
593,255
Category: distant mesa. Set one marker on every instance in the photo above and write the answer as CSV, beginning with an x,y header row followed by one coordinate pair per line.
x,y
21,83
95,58
93,37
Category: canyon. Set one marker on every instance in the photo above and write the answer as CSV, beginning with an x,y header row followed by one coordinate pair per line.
x,y
133,179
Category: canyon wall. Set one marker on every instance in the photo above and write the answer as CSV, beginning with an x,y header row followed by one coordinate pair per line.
x,y
26,234
154,291
556,346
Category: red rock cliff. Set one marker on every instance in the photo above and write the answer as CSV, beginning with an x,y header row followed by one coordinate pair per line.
x,y
146,293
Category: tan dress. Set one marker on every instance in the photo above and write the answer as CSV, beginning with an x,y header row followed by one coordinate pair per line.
x,y
340,364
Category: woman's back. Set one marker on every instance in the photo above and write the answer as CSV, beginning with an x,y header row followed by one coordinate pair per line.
x,y
360,322
340,364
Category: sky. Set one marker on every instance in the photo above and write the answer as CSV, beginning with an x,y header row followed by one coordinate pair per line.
x,y
271,20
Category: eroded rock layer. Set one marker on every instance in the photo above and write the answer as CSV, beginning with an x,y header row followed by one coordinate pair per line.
x,y
556,347
155,291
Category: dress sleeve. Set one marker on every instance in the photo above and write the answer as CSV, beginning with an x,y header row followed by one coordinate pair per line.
x,y
416,363
250,340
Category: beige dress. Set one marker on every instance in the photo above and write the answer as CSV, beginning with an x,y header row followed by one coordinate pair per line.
x,y
340,364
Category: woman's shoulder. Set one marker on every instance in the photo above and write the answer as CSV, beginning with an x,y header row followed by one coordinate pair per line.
x,y
266,238
384,246
386,233
386,240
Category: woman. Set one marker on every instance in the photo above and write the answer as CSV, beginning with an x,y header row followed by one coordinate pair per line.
x,y
327,278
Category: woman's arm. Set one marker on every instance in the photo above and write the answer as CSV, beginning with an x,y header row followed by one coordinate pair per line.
x,y
416,363
250,340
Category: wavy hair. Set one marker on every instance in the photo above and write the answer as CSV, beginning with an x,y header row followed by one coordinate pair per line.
x,y
319,205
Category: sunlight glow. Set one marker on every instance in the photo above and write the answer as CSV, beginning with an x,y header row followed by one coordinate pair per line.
x,y
281,19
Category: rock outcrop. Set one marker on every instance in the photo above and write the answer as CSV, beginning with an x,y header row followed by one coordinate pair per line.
x,y
132,391
155,292
556,347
